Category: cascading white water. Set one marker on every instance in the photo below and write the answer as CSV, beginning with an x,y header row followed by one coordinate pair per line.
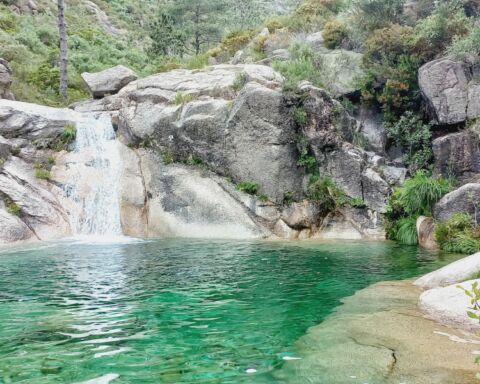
x,y
95,184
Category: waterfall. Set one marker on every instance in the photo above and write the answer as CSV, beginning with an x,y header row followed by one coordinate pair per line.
x,y
95,184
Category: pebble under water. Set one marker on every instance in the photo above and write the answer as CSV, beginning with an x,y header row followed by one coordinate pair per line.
x,y
177,311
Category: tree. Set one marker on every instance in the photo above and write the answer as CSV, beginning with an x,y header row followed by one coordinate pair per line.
x,y
187,26
62,28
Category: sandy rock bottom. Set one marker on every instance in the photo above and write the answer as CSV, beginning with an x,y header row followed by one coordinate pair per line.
x,y
380,336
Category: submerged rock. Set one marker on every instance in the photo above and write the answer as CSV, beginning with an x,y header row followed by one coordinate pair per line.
x,y
379,336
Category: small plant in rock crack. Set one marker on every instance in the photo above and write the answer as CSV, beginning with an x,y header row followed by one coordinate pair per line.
x,y
248,187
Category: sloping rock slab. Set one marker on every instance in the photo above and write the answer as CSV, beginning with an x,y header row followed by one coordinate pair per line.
x,y
453,273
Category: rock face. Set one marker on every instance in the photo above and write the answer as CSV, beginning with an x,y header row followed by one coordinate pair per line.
x,y
109,81
102,18
426,232
457,155
5,80
449,90
339,69
451,274
462,200
449,305
185,139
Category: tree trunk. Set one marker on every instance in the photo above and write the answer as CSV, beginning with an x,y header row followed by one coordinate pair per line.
x,y
62,28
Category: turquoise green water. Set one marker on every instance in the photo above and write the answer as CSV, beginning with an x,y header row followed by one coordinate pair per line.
x,y
177,311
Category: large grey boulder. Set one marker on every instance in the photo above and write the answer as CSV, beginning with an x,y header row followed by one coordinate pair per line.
x,y
456,272
463,200
449,306
457,155
449,90
5,80
109,81
260,143
339,69
372,128
305,214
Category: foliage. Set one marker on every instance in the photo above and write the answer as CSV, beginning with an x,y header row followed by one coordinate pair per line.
x,y
288,198
182,98
248,187
474,295
240,81
416,197
368,15
168,156
41,172
236,40
421,192
306,159
435,32
334,33
412,134
12,207
300,67
63,141
467,47
326,192
458,234
405,230
300,116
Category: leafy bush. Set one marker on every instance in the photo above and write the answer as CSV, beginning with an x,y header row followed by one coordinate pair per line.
x,y
467,47
248,187
306,159
369,15
236,40
458,234
300,116
415,198
12,208
300,67
239,82
326,192
41,172
405,230
420,192
182,98
334,33
411,133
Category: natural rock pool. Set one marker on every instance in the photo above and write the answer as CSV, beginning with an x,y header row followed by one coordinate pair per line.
x,y
178,311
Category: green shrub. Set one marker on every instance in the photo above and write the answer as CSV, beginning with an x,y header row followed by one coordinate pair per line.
x,y
248,187
334,33
288,198
182,98
300,116
236,40
41,172
168,157
412,134
468,46
405,231
326,192
306,159
300,67
420,193
459,234
12,208
240,80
